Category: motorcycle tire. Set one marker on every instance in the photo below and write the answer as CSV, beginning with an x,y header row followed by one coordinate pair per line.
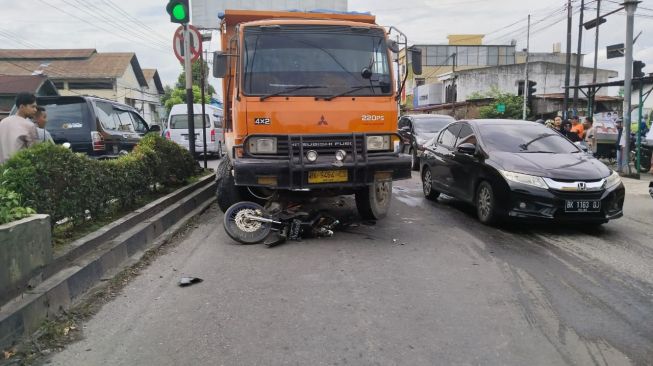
x,y
243,230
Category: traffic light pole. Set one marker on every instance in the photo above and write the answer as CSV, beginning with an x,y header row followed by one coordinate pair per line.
x,y
189,90
526,83
631,7
202,84
580,49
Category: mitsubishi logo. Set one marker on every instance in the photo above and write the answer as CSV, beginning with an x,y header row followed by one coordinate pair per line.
x,y
322,122
582,186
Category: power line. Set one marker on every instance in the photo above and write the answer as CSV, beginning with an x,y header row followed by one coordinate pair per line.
x,y
113,5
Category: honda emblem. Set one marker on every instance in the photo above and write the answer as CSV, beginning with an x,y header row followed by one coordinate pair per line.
x,y
582,186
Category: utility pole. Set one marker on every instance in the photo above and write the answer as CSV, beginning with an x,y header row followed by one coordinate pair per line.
x,y
580,49
565,103
596,41
631,7
454,87
189,90
204,118
526,84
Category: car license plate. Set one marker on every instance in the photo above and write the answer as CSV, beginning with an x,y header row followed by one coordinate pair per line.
x,y
328,176
582,206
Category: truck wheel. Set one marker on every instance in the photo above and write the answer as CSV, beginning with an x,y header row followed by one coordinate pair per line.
x,y
373,201
227,192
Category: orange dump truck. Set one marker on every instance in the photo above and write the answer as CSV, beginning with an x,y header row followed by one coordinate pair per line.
x,y
310,105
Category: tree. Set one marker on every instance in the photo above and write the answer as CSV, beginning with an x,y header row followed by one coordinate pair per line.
x,y
513,103
178,94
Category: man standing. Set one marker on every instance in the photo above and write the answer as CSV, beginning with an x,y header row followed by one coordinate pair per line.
x,y
621,142
590,139
41,119
16,132
577,127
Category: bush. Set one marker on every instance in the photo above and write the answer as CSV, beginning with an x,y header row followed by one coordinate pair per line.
x,y
11,208
55,181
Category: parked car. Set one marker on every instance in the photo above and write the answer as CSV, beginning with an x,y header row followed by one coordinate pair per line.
x,y
418,129
100,128
177,128
520,169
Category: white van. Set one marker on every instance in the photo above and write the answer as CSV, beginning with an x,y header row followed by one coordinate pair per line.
x,y
177,128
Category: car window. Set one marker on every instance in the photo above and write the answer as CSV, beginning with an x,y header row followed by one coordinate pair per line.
x,y
526,138
403,122
139,124
430,125
466,135
448,137
180,121
107,115
126,122
218,121
65,115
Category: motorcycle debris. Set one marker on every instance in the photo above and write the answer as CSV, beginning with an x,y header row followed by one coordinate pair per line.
x,y
189,281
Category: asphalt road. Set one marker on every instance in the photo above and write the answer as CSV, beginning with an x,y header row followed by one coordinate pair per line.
x,y
447,291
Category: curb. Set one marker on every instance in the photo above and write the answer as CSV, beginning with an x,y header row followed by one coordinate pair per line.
x,y
23,315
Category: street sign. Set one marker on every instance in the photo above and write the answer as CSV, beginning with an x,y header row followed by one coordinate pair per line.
x,y
195,43
501,108
616,50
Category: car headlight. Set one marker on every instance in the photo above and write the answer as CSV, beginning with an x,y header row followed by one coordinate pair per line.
x,y
613,180
262,145
378,143
530,180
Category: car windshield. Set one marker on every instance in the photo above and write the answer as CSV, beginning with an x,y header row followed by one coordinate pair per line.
x,y
65,115
323,61
430,125
180,121
515,138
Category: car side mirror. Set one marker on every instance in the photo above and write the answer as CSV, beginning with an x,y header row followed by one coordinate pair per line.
x,y
220,63
405,129
155,128
467,149
416,60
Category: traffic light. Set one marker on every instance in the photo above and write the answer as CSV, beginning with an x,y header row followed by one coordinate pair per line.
x,y
531,89
179,11
638,67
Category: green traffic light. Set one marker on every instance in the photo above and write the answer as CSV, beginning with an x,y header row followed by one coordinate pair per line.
x,y
179,12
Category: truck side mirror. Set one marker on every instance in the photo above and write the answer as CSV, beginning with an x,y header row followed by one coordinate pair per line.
x,y
220,60
416,60
393,46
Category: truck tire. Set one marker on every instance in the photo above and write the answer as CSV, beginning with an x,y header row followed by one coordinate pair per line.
x,y
227,192
373,201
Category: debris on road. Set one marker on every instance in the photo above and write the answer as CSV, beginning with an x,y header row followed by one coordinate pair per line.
x,y
189,281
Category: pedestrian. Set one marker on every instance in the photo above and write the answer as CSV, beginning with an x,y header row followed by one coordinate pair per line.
x,y
41,119
16,132
568,133
577,127
621,142
557,123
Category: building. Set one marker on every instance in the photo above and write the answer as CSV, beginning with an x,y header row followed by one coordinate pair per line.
x,y
11,85
111,75
150,104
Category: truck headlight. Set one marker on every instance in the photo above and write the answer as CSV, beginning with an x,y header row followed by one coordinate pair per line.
x,y
378,143
262,145
530,180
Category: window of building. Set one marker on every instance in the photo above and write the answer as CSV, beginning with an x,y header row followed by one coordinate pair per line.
x,y
82,85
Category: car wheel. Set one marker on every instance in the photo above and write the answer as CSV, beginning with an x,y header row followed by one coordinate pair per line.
x,y
427,185
373,202
485,204
414,160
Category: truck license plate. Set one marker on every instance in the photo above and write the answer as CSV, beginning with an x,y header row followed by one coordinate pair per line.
x,y
582,206
328,176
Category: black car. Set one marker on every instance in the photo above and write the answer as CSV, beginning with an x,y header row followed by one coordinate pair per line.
x,y
417,130
520,169
100,128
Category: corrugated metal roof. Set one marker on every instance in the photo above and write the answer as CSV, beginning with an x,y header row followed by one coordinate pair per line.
x,y
52,54
13,84
154,74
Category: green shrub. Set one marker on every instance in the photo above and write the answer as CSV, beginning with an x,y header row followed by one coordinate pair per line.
x,y
55,181
11,208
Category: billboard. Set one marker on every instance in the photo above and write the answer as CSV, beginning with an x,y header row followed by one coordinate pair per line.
x,y
204,13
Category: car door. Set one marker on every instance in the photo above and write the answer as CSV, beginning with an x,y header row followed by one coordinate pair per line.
x,y
405,132
140,126
443,159
464,167
128,136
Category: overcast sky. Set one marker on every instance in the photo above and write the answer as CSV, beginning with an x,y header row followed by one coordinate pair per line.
x,y
143,26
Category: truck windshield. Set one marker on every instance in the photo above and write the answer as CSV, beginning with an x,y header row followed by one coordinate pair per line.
x,y
279,60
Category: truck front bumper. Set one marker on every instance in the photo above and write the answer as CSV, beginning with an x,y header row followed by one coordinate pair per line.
x,y
282,174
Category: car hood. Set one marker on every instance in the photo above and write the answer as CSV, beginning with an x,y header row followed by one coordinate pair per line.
x,y
578,166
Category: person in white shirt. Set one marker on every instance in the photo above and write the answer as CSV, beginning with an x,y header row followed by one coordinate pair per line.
x,y
16,132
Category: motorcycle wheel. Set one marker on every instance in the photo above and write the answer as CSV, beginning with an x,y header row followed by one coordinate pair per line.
x,y
242,229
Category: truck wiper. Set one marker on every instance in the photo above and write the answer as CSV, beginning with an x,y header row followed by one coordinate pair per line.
x,y
290,89
351,90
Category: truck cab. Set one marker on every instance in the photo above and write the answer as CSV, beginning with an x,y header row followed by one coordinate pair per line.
x,y
311,106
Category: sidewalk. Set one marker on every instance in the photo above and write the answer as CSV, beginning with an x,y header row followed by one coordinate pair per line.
x,y
638,186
